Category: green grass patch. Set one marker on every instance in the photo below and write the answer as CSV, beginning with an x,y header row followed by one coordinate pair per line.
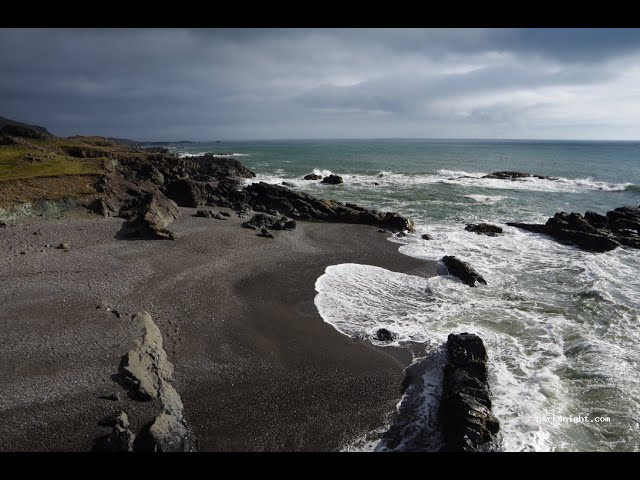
x,y
13,166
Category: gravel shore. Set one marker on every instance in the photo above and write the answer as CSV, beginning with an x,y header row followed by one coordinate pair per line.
x,y
256,366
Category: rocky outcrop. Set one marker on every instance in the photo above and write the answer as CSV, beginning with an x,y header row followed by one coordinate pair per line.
x,y
265,197
592,232
484,229
187,192
150,216
146,372
513,175
312,176
468,425
272,222
463,271
332,179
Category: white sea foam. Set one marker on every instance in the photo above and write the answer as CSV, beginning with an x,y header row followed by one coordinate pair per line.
x,y
525,316
388,179
486,199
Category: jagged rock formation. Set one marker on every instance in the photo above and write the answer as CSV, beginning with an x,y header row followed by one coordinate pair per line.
x,y
512,175
120,439
150,217
265,197
272,222
592,232
463,271
468,425
146,372
484,229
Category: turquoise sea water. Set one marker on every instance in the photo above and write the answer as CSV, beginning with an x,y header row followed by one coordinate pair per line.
x,y
561,325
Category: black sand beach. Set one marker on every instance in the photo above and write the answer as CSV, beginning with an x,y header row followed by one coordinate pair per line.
x,y
256,366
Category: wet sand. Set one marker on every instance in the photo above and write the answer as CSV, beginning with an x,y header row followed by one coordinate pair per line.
x,y
256,366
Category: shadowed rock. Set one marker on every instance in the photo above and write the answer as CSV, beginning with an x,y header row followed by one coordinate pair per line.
x,y
264,197
468,425
592,232
484,229
120,439
150,217
463,271
332,179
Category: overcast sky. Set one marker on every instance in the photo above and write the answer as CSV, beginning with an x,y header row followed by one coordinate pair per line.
x,y
324,83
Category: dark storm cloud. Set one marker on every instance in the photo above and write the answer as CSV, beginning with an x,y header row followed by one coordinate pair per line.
x,y
259,83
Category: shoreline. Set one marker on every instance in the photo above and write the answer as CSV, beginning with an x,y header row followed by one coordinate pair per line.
x,y
255,364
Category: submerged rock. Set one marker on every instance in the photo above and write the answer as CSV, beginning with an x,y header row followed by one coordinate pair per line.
x,y
484,229
463,271
332,179
592,232
426,236
468,424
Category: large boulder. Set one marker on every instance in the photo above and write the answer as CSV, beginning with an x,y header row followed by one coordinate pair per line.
x,y
332,179
484,229
468,424
150,217
463,271
592,232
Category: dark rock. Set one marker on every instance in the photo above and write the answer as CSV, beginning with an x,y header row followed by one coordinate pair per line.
x,y
332,180
63,246
513,175
592,232
287,184
299,205
225,214
187,193
384,335
426,236
312,176
3,225
265,233
273,222
376,183
468,425
463,271
484,229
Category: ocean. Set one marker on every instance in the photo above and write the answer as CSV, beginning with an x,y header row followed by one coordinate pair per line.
x,y
561,325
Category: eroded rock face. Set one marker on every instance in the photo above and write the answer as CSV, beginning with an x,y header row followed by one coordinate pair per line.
x,y
592,232
484,229
468,425
463,271
146,367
